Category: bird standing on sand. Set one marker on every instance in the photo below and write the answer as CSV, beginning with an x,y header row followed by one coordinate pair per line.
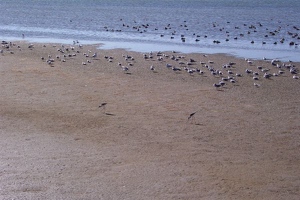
x,y
102,105
191,115
125,68
95,55
217,85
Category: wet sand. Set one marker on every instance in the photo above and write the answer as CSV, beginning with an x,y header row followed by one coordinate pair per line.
x,y
243,142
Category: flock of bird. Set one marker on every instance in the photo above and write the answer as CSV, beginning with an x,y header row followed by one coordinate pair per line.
x,y
278,35
227,73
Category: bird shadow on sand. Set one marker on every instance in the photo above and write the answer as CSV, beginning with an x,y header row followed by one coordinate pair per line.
x,y
110,114
199,124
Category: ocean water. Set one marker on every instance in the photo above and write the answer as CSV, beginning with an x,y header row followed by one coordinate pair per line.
x,y
239,27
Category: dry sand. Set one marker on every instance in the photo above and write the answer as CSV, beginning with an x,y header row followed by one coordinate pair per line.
x,y
56,143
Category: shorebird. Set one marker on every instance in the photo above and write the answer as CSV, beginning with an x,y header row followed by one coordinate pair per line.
x,y
295,77
102,105
190,71
250,62
229,72
293,70
256,85
125,68
255,73
191,116
222,83
176,69
94,55
217,85
248,71
266,75
168,65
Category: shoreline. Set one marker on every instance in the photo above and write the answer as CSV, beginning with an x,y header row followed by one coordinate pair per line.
x,y
74,126
240,52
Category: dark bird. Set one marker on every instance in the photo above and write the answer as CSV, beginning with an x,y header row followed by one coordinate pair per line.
x,y
102,105
192,115
217,85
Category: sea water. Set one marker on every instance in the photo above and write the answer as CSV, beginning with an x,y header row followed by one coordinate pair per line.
x,y
252,29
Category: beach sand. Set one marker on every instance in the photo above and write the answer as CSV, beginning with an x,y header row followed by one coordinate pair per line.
x,y
243,142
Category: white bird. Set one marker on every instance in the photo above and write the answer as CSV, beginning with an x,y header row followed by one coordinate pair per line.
x,y
295,77
125,68
256,85
160,58
190,71
229,72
